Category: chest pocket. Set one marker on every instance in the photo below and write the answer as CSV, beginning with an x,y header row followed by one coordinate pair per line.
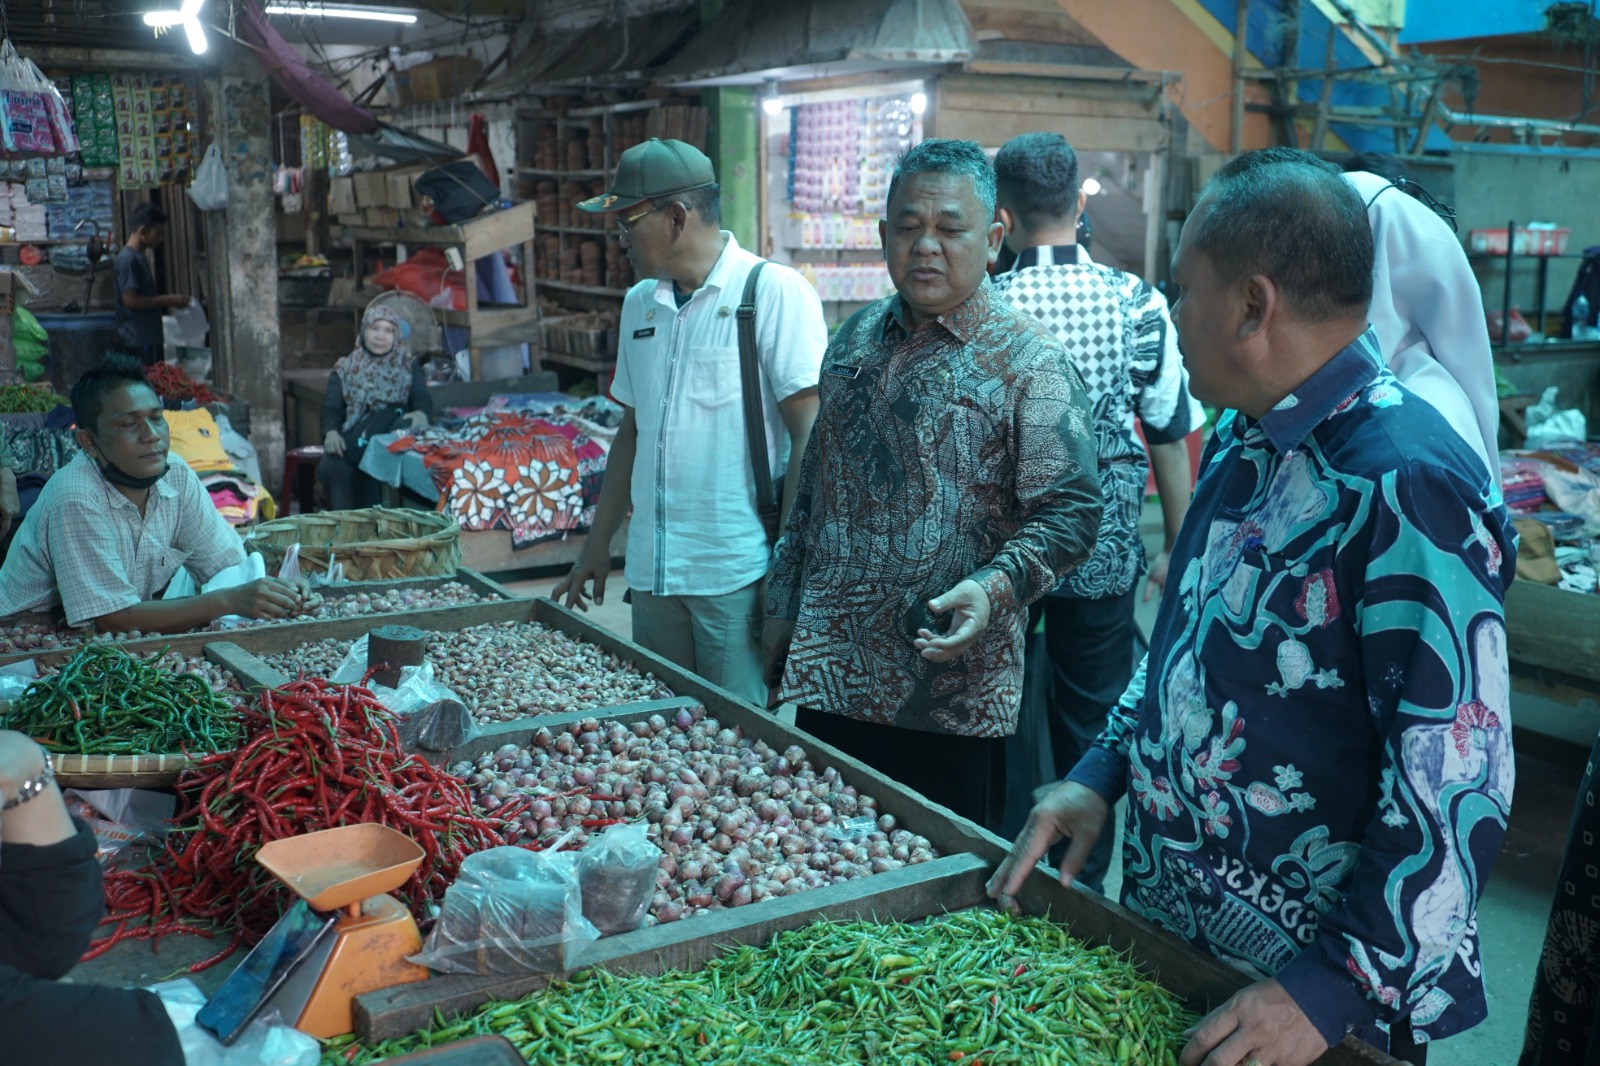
x,y
711,378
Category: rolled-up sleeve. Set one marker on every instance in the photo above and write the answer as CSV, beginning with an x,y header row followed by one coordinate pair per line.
x,y
1057,487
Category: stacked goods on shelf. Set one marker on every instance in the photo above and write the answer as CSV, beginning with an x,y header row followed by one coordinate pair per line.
x,y
591,334
155,114
94,116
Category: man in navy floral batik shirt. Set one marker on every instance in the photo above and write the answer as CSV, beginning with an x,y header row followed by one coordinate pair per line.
x,y
1318,746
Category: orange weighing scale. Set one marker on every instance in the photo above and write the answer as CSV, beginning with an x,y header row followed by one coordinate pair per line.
x,y
345,935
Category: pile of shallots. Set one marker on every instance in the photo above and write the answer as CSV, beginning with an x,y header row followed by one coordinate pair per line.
x,y
736,820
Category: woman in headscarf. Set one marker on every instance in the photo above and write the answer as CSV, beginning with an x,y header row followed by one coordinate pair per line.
x,y
372,390
1427,309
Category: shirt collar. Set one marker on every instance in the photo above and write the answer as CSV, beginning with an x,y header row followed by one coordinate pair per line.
x,y
1303,410
962,321
716,281
1052,255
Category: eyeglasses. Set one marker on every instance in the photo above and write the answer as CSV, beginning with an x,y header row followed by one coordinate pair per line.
x,y
626,223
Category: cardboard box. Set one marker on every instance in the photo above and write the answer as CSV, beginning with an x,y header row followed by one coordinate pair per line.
x,y
437,79
372,189
382,217
402,187
342,196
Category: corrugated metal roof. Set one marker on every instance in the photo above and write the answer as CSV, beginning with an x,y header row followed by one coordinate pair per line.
x,y
750,37
611,52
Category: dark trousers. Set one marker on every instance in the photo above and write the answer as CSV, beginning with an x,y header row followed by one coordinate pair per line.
x,y
348,488
965,774
1090,644
1564,1010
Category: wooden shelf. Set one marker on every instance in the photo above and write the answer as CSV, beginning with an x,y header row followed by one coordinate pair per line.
x,y
546,172
492,317
587,290
581,230
477,238
594,364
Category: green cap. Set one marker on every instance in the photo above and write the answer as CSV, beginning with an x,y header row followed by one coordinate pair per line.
x,y
653,169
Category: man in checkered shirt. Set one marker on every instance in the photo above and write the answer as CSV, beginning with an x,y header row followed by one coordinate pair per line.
x,y
1117,330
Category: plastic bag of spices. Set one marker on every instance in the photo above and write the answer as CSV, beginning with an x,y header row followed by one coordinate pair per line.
x,y
510,911
618,874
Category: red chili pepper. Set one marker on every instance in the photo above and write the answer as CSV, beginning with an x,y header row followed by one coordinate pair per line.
x,y
1021,968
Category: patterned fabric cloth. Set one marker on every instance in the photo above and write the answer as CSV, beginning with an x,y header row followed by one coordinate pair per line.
x,y
1564,1010
84,546
35,447
371,381
507,470
1319,742
1118,333
962,450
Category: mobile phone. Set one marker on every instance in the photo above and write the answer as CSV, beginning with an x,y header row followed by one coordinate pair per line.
x,y
263,972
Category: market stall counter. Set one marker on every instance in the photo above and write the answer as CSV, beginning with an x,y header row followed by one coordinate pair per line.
x,y
955,857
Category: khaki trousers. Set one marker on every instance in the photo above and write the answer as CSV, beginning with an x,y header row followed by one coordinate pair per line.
x,y
713,636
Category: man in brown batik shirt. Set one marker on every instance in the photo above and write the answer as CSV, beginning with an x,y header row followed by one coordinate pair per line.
x,y
949,482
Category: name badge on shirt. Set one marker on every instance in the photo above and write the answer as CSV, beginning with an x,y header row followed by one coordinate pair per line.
x,y
840,370
641,334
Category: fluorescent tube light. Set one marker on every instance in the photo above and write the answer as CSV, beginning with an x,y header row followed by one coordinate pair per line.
x,y
370,14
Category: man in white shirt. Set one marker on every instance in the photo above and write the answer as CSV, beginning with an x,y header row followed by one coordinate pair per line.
x,y
697,552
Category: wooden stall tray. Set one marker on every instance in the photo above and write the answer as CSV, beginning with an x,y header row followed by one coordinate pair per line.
x,y
503,604
954,881
1553,634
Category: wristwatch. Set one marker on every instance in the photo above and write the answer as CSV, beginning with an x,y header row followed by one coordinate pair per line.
x,y
33,787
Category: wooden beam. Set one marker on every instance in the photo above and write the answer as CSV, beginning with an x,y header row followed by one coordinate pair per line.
x,y
1071,72
1319,130
1035,27
1241,23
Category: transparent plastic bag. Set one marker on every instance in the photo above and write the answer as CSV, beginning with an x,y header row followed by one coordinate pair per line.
x,y
510,911
617,872
431,714
269,1041
290,569
209,191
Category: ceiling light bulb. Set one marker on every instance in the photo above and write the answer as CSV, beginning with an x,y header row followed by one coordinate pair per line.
x,y
771,102
187,16
1091,186
919,103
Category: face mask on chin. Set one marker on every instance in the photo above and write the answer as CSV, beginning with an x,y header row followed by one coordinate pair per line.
x,y
120,477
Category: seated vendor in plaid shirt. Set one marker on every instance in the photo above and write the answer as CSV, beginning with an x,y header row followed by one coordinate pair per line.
x,y
112,527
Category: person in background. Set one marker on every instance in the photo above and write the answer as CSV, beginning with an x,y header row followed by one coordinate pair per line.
x,y
950,482
1427,308
50,903
113,526
1317,749
697,551
1564,1009
1116,329
376,388
139,300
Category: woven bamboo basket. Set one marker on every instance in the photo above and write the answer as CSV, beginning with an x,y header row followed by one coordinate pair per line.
x,y
373,544
120,771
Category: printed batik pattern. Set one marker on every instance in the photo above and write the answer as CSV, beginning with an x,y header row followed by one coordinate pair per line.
x,y
1318,746
961,450
507,470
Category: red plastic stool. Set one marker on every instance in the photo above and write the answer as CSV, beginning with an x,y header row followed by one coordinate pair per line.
x,y
300,461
